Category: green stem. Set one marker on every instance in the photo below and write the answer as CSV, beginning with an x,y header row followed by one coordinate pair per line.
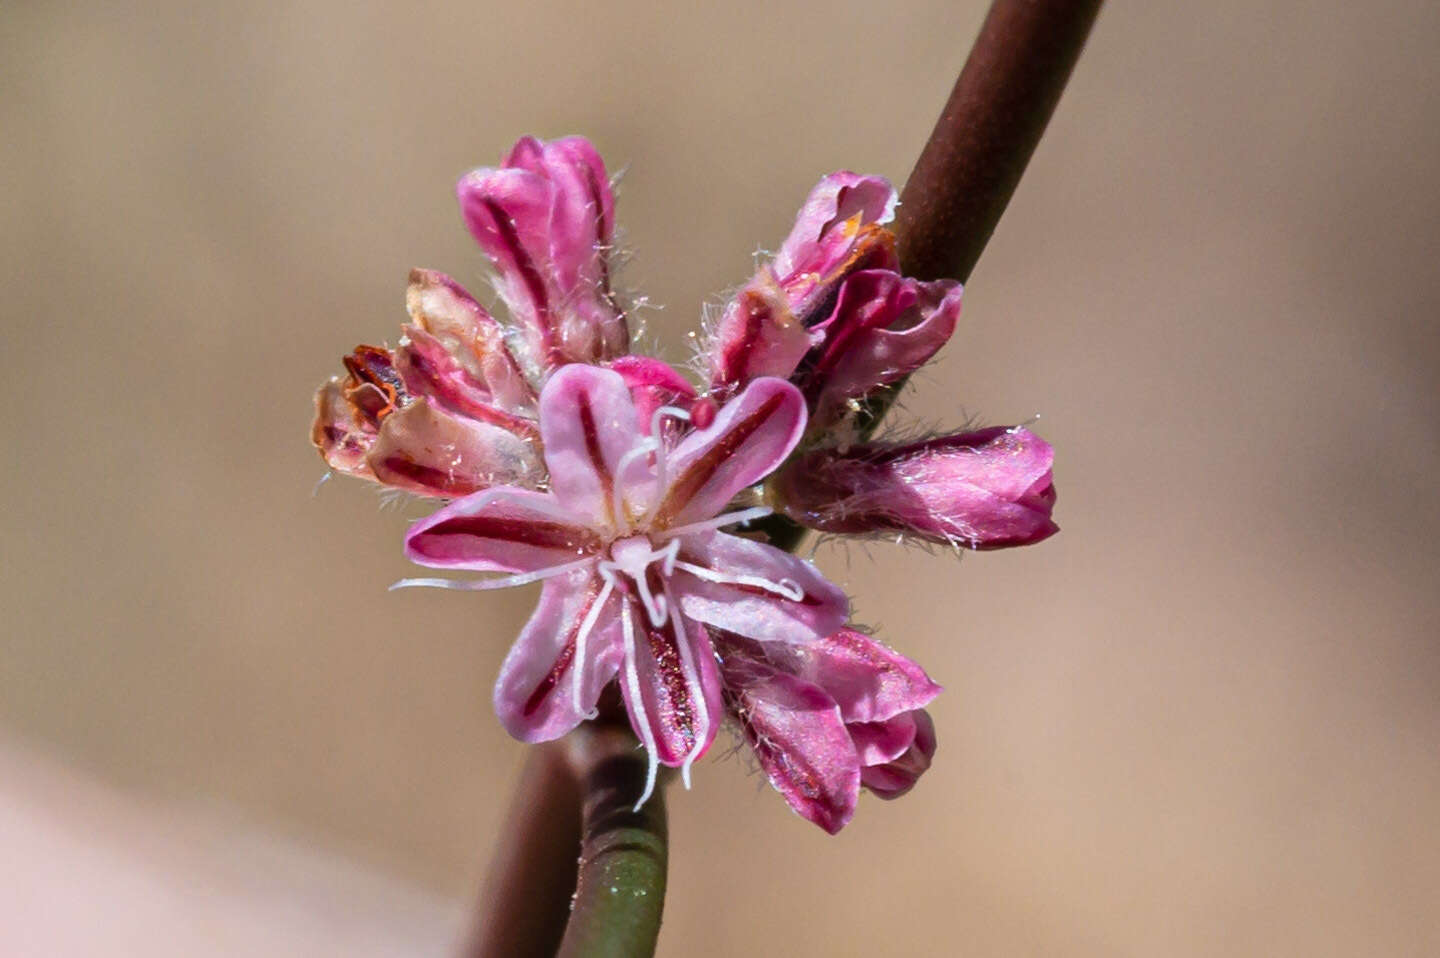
x,y
623,852
577,795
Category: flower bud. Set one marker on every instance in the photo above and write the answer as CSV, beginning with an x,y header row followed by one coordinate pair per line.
x,y
884,327
892,778
985,490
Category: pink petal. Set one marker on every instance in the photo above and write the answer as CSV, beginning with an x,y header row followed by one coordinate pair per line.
x,y
428,369
748,610
764,331
653,384
343,436
545,221
837,232
670,662
473,337
798,738
500,530
587,422
895,778
508,212
986,490
757,335
883,328
868,681
587,204
881,742
535,694
837,199
424,449
582,224
750,436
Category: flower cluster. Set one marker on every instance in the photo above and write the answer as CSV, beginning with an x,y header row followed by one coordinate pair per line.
x,y
612,480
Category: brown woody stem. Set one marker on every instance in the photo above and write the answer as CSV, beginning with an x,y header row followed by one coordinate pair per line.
x,y
526,899
997,111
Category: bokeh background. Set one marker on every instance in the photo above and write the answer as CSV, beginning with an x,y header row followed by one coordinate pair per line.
x,y
1203,720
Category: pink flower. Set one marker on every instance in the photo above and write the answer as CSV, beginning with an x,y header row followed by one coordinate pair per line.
x,y
445,413
830,312
829,716
984,490
546,219
896,755
608,478
451,409
884,327
627,541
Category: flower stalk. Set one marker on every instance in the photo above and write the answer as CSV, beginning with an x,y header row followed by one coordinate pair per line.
x,y
620,891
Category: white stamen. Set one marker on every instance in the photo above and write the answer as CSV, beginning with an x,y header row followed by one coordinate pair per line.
x,y
637,702
617,494
675,412
577,685
503,582
743,515
701,718
656,608
667,556
656,444
785,588
480,500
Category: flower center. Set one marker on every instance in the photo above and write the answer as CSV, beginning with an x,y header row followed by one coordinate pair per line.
x,y
632,557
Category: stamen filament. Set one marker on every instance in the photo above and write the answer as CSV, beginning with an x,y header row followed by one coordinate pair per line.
x,y
656,444
656,608
478,502
503,582
701,718
617,494
637,702
674,412
785,588
591,617
729,518
668,556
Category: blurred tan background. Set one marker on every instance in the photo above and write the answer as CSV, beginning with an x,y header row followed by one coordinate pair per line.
x,y
1203,720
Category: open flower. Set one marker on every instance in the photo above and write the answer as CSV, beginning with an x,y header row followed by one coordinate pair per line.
x,y
627,541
